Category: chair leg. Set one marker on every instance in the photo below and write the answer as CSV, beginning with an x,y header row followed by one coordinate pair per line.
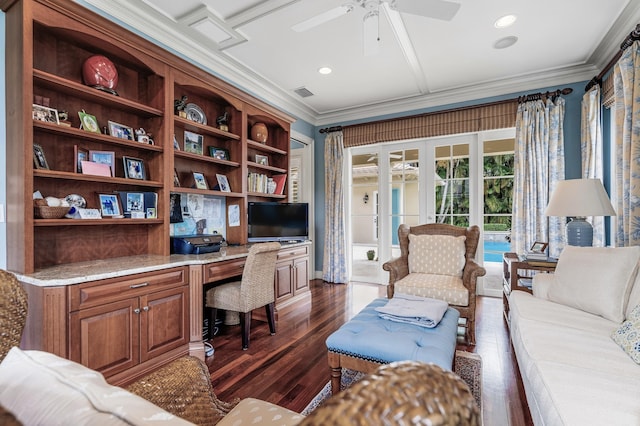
x,y
245,325
471,331
271,317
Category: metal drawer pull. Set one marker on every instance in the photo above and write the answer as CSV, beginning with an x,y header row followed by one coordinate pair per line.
x,y
138,285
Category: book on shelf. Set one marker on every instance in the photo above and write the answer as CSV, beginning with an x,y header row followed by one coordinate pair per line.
x,y
280,181
526,282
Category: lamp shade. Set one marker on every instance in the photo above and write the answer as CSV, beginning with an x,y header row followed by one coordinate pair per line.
x,y
580,198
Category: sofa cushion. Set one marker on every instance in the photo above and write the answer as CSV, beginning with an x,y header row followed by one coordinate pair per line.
x,y
634,295
42,388
251,411
442,287
627,336
596,279
436,254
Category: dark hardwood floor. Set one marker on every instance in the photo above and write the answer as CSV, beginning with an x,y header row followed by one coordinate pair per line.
x,y
290,368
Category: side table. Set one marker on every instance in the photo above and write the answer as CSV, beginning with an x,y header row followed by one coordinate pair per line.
x,y
517,275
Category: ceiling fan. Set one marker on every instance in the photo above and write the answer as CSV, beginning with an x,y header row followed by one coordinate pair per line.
x,y
438,9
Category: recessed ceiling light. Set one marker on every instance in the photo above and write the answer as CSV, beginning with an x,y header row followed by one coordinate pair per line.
x,y
324,70
505,42
505,21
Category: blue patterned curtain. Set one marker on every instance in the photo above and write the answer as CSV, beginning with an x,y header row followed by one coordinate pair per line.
x,y
591,144
538,165
627,113
334,268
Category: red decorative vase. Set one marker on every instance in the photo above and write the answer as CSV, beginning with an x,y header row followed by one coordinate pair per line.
x,y
259,132
99,72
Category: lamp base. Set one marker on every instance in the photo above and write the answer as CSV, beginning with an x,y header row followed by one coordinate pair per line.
x,y
579,232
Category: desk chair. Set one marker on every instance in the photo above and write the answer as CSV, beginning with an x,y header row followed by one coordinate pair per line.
x,y
255,290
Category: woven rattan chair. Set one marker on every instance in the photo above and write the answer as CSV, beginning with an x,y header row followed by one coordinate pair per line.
x,y
254,291
398,269
401,393
13,312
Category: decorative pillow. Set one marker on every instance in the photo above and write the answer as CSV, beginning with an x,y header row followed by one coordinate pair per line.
x,y
596,279
628,335
42,388
437,254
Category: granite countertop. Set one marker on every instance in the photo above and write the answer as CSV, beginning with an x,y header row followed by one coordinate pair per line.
x,y
75,273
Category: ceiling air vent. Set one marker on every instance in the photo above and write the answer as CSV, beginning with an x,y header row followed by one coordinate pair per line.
x,y
303,92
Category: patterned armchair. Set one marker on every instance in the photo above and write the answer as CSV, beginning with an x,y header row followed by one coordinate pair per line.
x,y
437,261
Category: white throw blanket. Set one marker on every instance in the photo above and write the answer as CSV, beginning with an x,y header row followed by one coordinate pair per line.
x,y
421,311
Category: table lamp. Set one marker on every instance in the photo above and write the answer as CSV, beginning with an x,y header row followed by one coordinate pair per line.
x,y
579,198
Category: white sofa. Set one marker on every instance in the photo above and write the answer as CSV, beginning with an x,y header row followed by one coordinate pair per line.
x,y
573,371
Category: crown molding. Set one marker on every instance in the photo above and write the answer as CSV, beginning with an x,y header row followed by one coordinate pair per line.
x,y
610,44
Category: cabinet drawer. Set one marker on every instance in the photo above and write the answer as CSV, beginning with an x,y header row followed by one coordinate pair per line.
x,y
288,253
222,270
98,292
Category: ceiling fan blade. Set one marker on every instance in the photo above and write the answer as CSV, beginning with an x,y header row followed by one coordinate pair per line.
x,y
322,18
370,37
437,9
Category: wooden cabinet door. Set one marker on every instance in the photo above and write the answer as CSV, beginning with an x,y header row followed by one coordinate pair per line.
x,y
301,274
284,281
106,338
164,321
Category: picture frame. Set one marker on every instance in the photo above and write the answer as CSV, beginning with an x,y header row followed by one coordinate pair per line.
x,y
176,179
176,145
135,202
152,213
223,183
200,180
46,114
134,168
193,142
263,160
109,205
103,157
39,159
219,153
120,131
80,155
88,122
539,247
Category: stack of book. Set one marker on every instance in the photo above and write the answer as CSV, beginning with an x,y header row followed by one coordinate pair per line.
x,y
535,255
539,259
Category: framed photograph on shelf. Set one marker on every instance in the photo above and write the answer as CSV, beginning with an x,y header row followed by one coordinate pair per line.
x,y
223,183
39,160
104,157
80,155
200,180
263,160
120,131
109,205
176,145
88,122
151,213
43,113
134,168
219,153
135,202
539,247
193,142
176,179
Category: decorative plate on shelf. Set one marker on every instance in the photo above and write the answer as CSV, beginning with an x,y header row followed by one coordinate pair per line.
x,y
195,113
76,200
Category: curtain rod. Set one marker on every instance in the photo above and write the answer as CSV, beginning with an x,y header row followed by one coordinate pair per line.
x,y
628,41
523,98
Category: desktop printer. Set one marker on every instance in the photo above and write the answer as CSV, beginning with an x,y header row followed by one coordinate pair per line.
x,y
196,244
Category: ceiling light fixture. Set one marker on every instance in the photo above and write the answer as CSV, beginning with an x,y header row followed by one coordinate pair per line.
x,y
324,70
505,42
505,21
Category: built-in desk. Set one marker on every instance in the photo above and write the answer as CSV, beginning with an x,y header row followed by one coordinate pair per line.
x,y
127,316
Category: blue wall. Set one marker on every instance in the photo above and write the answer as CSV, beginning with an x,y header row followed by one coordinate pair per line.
x,y
571,139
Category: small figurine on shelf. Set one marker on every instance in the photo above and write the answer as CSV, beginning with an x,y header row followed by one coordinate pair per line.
x,y
179,105
143,136
223,121
64,118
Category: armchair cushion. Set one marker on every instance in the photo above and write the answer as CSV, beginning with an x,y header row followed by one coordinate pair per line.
x,y
596,279
42,388
442,287
251,411
437,254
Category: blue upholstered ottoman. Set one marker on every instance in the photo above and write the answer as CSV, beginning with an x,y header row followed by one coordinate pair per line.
x,y
366,341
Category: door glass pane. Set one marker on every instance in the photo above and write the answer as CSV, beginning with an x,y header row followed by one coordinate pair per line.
x,y
452,184
405,201
364,213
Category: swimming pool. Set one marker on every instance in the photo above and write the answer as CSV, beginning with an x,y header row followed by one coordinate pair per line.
x,y
493,250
